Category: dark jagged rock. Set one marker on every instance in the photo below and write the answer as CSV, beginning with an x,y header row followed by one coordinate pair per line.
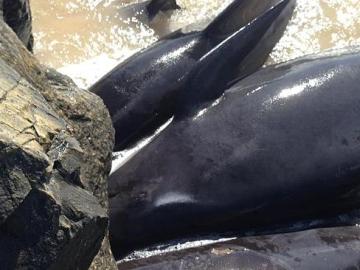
x,y
91,125
1,10
44,217
17,15
55,154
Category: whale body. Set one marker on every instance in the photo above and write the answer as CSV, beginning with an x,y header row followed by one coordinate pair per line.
x,y
279,146
317,249
142,92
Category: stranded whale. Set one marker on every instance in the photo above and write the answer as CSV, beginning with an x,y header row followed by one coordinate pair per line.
x,y
318,249
280,146
141,93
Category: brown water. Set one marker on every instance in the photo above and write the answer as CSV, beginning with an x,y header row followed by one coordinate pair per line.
x,y
86,38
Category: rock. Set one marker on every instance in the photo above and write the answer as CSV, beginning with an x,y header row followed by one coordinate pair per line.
x,y
55,154
17,15
1,10
91,125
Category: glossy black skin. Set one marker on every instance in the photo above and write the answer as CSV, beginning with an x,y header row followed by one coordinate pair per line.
x,y
319,249
282,145
142,93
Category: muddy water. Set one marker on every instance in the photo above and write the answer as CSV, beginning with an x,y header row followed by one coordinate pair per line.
x,y
86,38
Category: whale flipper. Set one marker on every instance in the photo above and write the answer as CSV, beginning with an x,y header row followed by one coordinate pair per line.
x,y
256,39
155,6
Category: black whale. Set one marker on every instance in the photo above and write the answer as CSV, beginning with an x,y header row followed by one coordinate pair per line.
x,y
319,249
141,93
282,145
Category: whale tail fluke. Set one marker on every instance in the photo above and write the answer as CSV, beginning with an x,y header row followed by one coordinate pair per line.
x,y
236,57
155,6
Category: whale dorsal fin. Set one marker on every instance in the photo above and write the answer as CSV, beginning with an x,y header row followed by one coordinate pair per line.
x,y
229,60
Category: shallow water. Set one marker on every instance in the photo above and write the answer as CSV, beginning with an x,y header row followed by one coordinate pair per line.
x,y
86,38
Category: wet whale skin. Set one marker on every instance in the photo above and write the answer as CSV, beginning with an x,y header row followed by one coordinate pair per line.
x,y
281,145
141,93
318,249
